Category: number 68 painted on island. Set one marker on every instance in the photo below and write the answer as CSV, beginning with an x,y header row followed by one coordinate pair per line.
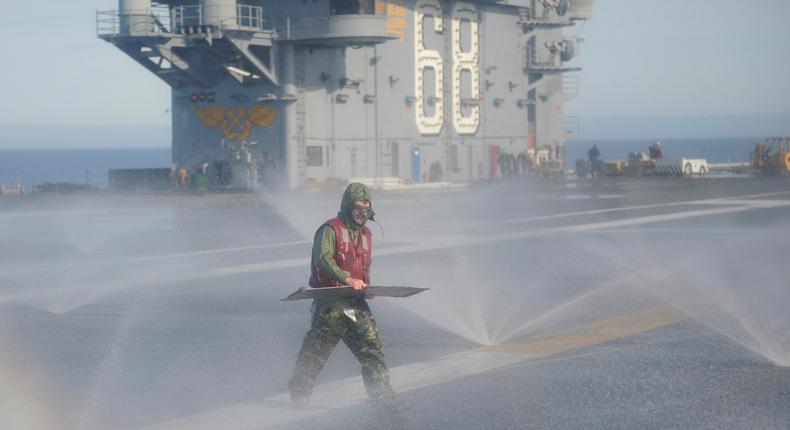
x,y
432,59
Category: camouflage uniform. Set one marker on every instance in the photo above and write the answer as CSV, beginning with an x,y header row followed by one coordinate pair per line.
x,y
328,327
348,319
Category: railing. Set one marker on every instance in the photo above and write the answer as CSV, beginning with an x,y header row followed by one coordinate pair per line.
x,y
156,20
570,124
180,19
554,56
546,17
193,19
582,9
161,15
249,16
570,84
361,28
107,23
542,59
184,17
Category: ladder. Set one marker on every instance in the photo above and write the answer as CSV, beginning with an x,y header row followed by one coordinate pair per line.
x,y
301,149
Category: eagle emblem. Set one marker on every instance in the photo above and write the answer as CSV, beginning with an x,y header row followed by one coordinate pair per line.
x,y
236,123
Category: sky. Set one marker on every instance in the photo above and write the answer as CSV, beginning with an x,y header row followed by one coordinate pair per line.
x,y
667,63
677,67
57,72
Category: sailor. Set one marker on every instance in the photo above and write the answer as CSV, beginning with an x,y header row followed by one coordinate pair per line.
x,y
595,164
593,154
174,176
183,178
342,251
201,178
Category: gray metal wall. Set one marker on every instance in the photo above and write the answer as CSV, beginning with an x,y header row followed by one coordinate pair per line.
x,y
368,127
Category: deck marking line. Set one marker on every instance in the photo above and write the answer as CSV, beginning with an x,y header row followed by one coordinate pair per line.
x,y
454,242
275,410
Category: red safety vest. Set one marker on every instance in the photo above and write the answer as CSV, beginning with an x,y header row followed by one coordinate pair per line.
x,y
352,257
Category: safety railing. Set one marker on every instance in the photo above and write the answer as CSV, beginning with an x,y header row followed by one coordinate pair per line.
x,y
570,84
543,17
161,19
156,20
352,28
554,55
570,124
249,16
582,9
186,17
543,59
107,23
192,19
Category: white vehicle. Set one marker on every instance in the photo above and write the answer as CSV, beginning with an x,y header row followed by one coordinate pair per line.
x,y
682,167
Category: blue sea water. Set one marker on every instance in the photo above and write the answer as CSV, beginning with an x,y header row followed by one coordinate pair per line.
x,y
35,167
78,166
718,150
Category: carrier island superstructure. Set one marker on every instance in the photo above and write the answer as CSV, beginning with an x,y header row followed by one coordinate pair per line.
x,y
298,92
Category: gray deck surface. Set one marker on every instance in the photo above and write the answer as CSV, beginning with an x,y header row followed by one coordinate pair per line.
x,y
615,304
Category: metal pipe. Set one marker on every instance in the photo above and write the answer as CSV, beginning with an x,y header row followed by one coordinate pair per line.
x,y
290,117
219,13
135,17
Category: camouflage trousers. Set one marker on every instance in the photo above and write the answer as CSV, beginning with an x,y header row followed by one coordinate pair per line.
x,y
355,325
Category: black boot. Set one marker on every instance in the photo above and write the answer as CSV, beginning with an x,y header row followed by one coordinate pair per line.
x,y
300,398
384,400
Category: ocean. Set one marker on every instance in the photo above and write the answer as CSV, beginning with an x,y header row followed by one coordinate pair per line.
x,y
715,150
35,167
77,166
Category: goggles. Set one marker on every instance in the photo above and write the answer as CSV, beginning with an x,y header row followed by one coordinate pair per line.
x,y
361,210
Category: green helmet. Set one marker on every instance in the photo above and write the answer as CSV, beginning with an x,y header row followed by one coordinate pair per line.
x,y
354,192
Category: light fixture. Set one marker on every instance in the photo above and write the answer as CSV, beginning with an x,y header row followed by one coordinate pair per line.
x,y
239,71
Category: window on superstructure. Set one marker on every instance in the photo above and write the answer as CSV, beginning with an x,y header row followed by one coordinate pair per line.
x,y
315,156
531,114
352,7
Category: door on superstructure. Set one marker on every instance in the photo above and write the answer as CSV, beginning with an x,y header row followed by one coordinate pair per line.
x,y
316,161
470,159
394,159
453,162
532,119
493,153
353,161
416,168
